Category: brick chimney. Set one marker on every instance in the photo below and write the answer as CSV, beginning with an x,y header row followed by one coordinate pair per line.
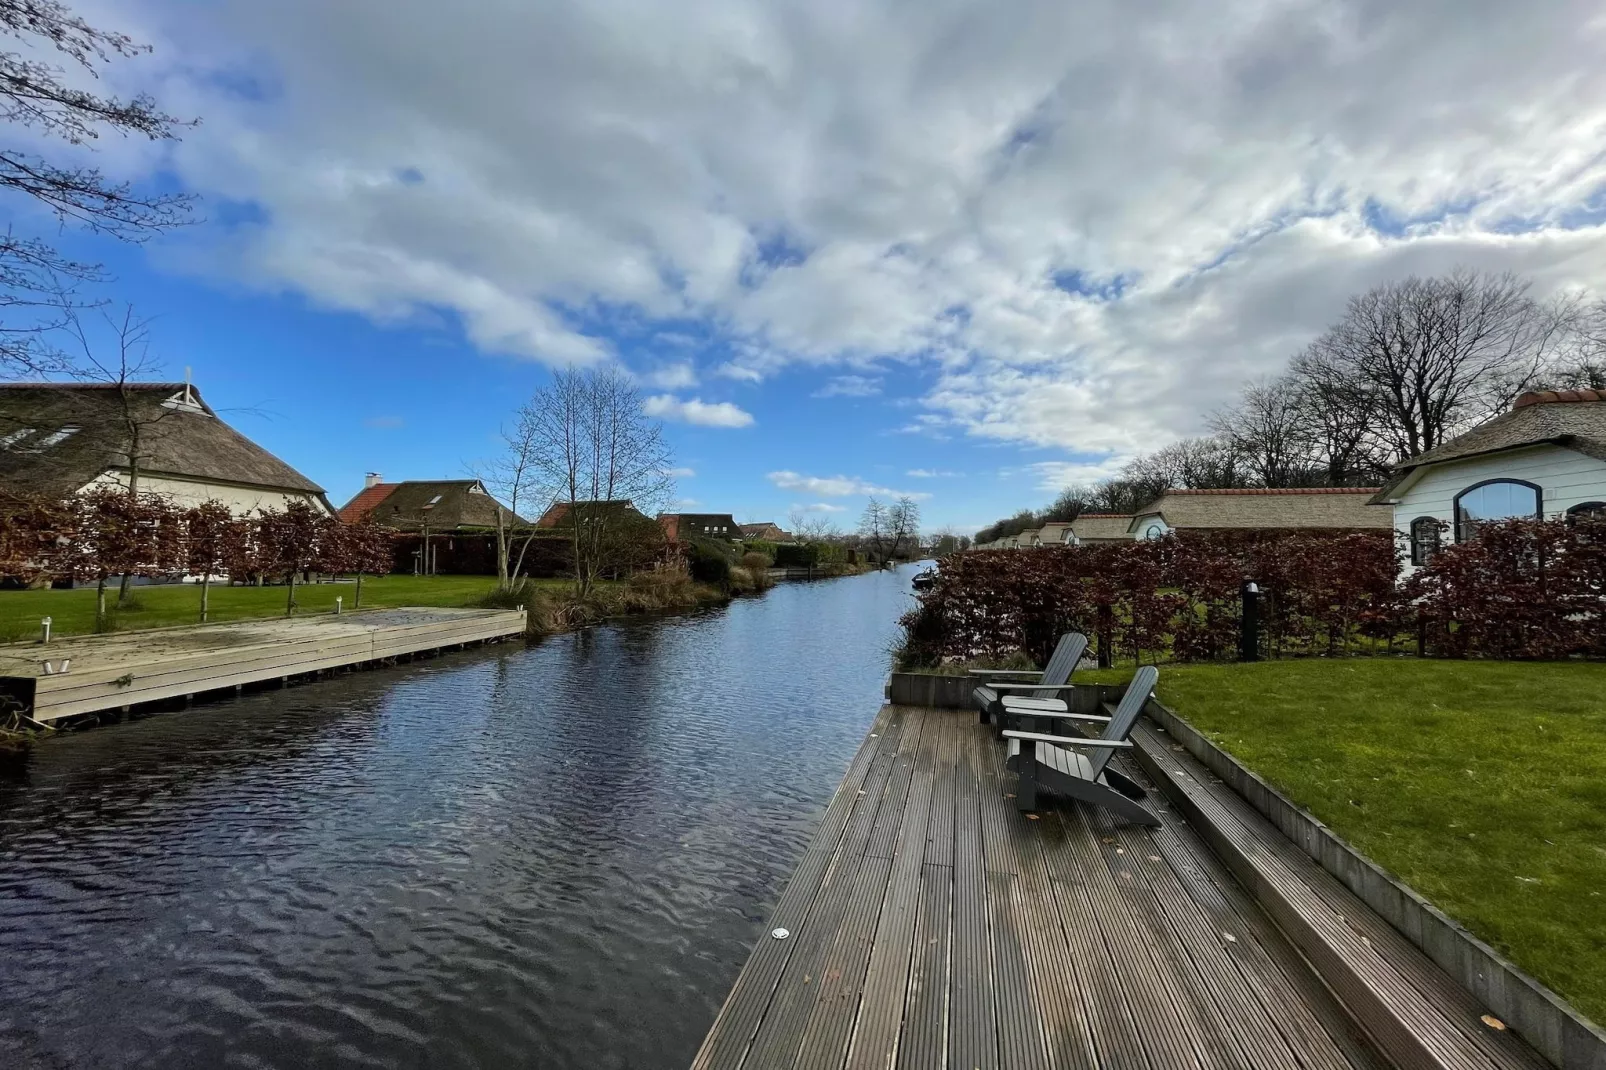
x,y
372,479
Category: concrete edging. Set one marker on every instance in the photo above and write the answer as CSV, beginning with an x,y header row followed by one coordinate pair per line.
x,y
1544,1019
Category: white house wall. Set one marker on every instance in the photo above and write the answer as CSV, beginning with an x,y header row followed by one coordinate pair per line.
x,y
185,493
1565,478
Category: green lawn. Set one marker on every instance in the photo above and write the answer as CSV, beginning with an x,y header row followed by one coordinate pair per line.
x,y
1480,784
73,612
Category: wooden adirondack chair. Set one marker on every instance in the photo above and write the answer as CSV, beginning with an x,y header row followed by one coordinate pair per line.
x,y
991,696
1057,763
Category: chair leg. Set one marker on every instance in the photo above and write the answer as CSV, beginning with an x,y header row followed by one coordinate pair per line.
x,y
1026,767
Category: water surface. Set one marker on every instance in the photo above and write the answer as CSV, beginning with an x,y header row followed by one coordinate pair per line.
x,y
555,856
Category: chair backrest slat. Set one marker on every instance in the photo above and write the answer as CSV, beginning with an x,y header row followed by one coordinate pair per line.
x,y
1126,714
1067,656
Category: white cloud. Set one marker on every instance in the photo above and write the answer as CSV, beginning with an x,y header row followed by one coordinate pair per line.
x,y
740,372
680,473
1057,475
686,503
932,473
680,376
1082,225
838,486
821,507
850,386
696,411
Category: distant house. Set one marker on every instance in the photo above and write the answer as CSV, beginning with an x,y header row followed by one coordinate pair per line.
x,y
1101,527
1546,457
558,513
681,526
59,439
768,531
434,505
1330,508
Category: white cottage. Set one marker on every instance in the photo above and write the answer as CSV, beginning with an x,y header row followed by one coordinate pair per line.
x,y
1544,458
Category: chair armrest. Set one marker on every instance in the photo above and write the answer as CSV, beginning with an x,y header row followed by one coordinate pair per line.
x,y
1068,741
1018,702
1054,715
1029,687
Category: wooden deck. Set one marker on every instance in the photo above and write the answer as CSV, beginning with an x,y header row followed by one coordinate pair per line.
x,y
932,925
89,674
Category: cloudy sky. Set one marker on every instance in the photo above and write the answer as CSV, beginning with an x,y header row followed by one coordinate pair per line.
x,y
967,250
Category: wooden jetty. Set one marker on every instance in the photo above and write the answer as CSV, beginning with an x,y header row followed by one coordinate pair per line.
x,y
931,925
90,674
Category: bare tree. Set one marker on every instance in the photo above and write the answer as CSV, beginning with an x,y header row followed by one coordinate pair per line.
x,y
35,278
1269,431
514,477
815,528
1580,361
903,522
1068,505
119,366
1433,356
875,528
592,447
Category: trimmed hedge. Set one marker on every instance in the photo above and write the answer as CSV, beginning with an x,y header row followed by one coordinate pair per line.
x,y
1521,589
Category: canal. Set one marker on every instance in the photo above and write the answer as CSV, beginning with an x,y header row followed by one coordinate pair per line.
x,y
554,856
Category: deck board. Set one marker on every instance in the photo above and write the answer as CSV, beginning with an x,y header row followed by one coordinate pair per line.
x,y
936,927
78,675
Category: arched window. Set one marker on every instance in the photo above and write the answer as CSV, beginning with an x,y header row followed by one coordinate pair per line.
x,y
1154,529
1424,539
1494,499
1592,510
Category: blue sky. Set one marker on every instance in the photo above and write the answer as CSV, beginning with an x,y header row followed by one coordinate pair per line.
x,y
967,251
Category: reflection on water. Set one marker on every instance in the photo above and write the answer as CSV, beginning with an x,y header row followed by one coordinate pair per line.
x,y
556,856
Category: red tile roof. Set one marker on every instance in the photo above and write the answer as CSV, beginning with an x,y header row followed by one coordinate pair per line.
x,y
364,502
1551,397
1282,490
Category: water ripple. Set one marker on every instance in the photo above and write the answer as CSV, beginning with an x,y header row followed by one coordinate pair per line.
x,y
548,857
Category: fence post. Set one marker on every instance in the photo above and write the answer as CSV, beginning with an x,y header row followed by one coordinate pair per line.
x,y
1105,637
1249,635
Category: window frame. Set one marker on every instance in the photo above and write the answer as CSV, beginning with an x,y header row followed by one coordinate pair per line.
x,y
1417,557
1462,535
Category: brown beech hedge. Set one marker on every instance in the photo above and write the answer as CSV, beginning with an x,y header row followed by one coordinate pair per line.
x,y
1522,589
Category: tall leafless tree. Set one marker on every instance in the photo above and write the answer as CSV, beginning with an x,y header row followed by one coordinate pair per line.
x,y
1433,356
903,520
1269,432
36,279
591,444
119,365
514,477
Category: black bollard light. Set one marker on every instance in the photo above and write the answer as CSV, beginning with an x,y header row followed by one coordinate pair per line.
x,y
1249,636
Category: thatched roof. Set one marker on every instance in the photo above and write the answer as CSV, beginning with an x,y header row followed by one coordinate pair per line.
x,y
1303,507
1102,527
57,437
1573,419
439,504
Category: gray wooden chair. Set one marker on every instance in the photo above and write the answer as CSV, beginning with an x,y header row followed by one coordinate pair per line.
x,y
991,695
1056,763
